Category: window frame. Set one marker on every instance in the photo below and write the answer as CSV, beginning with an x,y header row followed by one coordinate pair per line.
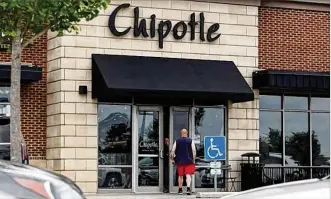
x,y
282,110
126,166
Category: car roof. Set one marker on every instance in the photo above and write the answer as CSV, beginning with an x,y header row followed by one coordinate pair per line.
x,y
284,190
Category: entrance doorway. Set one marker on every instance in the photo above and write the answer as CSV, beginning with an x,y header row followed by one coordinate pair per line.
x,y
180,117
153,125
149,149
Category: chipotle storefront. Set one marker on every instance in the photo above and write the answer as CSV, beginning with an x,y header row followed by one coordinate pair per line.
x,y
137,74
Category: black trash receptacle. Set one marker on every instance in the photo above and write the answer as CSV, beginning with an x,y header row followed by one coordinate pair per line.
x,y
251,171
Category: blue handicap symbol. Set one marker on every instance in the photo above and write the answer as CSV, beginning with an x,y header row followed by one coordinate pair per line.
x,y
214,147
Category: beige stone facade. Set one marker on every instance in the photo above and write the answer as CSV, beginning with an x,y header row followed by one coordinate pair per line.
x,y
72,118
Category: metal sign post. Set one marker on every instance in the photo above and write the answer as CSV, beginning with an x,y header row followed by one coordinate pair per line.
x,y
215,150
215,170
215,179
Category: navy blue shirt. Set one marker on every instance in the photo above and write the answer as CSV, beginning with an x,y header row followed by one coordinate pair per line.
x,y
183,151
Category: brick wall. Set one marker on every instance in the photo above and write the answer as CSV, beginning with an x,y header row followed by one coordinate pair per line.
x,y
33,100
294,39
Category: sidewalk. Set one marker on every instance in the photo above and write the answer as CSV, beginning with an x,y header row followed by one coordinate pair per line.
x,y
157,196
140,196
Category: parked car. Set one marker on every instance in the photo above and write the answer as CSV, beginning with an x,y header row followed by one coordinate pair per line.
x,y
5,142
18,181
303,189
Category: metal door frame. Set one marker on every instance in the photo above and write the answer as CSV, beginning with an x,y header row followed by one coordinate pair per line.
x,y
172,188
147,189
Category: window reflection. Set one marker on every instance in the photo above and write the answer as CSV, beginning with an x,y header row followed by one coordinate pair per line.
x,y
297,139
321,139
271,138
321,104
4,130
295,103
148,171
208,122
148,132
115,178
204,179
115,137
4,94
300,142
270,102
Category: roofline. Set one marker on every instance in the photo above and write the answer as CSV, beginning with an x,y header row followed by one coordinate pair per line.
x,y
325,2
314,5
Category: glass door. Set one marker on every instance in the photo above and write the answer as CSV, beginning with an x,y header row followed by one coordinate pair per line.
x,y
149,175
180,117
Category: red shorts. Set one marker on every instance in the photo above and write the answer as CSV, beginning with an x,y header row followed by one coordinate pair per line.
x,y
185,169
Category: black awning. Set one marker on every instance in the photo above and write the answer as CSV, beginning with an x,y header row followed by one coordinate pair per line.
x,y
28,74
292,81
206,81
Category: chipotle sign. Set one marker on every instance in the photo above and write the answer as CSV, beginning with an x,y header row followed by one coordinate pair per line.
x,y
164,27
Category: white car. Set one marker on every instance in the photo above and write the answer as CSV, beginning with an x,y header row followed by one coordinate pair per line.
x,y
304,189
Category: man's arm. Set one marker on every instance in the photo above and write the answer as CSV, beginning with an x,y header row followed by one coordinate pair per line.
x,y
194,151
172,153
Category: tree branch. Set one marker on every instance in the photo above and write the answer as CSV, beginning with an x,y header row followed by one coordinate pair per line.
x,y
35,37
29,22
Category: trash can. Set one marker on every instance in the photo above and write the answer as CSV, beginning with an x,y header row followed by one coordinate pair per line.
x,y
251,171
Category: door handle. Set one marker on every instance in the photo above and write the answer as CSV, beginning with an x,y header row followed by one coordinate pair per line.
x,y
161,154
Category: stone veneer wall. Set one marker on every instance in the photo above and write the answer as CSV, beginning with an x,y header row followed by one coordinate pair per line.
x,y
72,118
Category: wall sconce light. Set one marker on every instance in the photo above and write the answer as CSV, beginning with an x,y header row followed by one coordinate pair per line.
x,y
82,90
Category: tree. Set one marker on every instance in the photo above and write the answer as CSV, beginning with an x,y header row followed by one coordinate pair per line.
x,y
22,22
297,146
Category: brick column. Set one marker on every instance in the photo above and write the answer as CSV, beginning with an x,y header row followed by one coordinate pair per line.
x,y
71,118
243,133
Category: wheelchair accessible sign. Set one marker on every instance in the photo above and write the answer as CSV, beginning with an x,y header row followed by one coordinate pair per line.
x,y
215,148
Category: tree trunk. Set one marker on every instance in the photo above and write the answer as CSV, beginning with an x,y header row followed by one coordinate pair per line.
x,y
15,100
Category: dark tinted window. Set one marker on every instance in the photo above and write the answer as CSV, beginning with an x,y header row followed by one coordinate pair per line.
x,y
4,94
4,131
270,102
295,103
115,137
297,139
271,137
321,138
320,104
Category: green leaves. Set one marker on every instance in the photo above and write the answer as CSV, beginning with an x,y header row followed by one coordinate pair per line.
x,y
3,4
34,16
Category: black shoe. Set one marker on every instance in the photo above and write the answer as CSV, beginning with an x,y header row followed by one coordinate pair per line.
x,y
180,191
188,191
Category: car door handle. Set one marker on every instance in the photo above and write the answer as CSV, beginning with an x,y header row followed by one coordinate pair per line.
x,y
161,154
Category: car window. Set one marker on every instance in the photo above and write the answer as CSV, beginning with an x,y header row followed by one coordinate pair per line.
x,y
273,160
146,161
4,131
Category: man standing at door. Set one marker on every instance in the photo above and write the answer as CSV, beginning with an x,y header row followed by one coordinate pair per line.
x,y
183,153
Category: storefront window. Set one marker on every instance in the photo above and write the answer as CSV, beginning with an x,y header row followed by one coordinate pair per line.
x,y
320,123
208,122
296,133
271,145
115,146
4,123
297,139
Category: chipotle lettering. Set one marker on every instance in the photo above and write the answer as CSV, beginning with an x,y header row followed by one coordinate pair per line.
x,y
164,27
